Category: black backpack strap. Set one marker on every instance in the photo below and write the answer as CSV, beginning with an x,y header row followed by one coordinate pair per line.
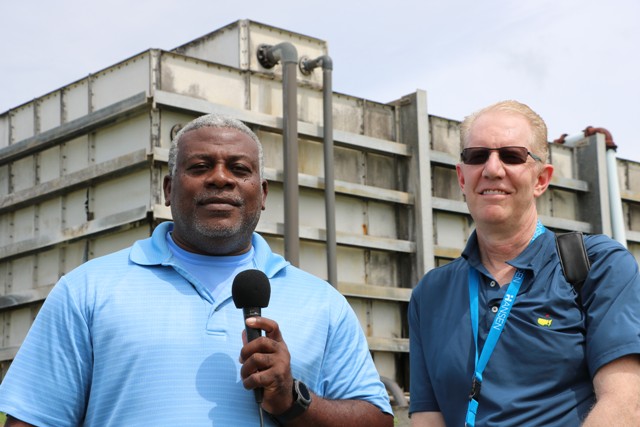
x,y
573,258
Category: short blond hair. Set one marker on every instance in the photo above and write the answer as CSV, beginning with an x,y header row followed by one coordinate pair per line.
x,y
539,142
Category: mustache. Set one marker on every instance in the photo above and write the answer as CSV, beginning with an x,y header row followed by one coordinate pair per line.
x,y
230,199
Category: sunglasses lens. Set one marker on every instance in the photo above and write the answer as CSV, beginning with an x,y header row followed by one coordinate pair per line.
x,y
508,155
513,155
475,156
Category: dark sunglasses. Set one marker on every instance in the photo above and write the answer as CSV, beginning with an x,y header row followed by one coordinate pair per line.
x,y
508,155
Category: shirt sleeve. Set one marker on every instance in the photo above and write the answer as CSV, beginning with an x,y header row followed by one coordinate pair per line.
x,y
611,301
422,395
48,382
348,371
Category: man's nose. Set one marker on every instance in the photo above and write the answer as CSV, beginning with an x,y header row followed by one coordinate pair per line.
x,y
493,166
220,176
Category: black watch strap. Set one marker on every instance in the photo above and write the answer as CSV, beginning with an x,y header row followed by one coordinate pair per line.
x,y
301,402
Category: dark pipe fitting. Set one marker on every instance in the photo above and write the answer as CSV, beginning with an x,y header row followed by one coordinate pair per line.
x,y
269,55
561,139
308,65
265,56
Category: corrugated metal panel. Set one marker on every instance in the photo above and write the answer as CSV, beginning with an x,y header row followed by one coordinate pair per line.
x,y
202,80
49,111
5,128
76,100
120,81
22,123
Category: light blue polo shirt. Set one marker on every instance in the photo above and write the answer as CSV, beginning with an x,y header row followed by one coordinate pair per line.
x,y
132,339
540,372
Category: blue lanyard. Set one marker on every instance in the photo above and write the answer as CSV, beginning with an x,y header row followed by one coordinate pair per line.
x,y
496,328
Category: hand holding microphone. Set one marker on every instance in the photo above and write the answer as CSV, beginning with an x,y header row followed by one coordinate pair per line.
x,y
251,291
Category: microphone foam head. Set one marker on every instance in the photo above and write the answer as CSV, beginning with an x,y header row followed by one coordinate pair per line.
x,y
251,288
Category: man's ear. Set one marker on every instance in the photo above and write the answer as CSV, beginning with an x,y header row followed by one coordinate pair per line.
x,y
166,187
543,181
265,191
460,176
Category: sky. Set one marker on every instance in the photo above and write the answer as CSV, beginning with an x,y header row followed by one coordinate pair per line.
x,y
575,62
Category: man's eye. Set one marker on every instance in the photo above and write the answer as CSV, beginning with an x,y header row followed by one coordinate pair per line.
x,y
240,168
199,166
510,158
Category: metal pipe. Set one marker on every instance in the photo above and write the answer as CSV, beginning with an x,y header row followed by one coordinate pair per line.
x,y
615,200
269,56
395,390
306,66
570,140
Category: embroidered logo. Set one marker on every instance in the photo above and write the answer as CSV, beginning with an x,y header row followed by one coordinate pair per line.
x,y
545,321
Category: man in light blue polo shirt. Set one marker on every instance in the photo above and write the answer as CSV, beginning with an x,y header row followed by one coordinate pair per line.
x,y
150,335
498,336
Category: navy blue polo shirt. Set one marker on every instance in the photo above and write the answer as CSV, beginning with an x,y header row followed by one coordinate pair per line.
x,y
540,372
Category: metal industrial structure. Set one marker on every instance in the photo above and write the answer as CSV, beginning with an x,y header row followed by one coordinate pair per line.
x,y
362,193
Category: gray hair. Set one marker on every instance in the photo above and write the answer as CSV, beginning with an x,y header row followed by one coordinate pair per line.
x,y
215,121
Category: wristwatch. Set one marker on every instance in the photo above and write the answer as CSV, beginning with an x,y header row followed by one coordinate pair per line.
x,y
301,402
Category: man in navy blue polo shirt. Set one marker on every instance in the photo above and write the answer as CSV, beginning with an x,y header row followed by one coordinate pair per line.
x,y
498,337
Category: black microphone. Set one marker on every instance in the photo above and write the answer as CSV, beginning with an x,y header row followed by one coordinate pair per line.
x,y
251,291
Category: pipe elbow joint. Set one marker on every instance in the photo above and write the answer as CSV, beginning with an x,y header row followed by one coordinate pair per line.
x,y
608,138
327,62
269,55
287,52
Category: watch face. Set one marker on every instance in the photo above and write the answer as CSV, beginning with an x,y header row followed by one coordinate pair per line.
x,y
303,391
301,402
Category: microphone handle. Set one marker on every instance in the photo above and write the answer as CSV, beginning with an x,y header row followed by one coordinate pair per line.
x,y
258,393
252,334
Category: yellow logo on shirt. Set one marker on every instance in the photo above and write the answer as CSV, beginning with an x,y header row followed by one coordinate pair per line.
x,y
544,321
